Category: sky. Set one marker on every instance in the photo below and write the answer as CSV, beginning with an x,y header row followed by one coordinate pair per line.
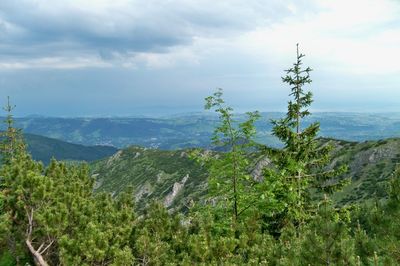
x,y
135,57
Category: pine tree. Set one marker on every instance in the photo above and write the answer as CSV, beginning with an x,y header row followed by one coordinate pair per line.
x,y
12,148
57,219
11,139
387,222
52,215
327,240
159,237
364,245
302,162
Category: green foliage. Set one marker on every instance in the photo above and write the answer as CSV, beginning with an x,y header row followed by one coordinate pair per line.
x,y
152,173
156,171
11,139
56,208
377,234
6,259
230,182
364,246
52,216
300,165
326,238
159,237
385,221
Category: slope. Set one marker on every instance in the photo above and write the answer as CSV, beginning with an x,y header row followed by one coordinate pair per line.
x,y
176,180
169,176
43,149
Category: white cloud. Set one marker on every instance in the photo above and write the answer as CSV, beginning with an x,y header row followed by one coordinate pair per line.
x,y
359,37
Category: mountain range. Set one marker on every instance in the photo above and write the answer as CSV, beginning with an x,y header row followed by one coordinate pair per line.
x,y
195,130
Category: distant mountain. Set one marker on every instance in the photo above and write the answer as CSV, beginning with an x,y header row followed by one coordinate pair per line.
x,y
44,148
173,178
122,132
195,130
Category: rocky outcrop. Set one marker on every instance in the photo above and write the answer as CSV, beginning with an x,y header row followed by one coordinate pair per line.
x,y
98,181
169,199
146,189
257,172
114,158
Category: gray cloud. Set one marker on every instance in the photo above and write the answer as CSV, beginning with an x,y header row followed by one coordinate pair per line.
x,y
121,57
35,29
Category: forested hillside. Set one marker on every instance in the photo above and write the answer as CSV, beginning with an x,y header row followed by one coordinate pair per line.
x,y
44,149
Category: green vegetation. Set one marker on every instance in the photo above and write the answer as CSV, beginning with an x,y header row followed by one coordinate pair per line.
x,y
156,171
230,184
152,174
246,204
299,165
50,215
44,149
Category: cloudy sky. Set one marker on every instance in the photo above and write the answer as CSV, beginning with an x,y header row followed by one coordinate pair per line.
x,y
133,57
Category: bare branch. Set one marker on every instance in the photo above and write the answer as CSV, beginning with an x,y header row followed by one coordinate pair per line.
x,y
40,247
46,248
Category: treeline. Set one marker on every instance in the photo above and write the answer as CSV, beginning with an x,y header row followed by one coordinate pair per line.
x,y
50,215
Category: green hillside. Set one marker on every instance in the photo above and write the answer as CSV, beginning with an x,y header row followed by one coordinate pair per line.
x,y
371,164
43,149
153,174
157,174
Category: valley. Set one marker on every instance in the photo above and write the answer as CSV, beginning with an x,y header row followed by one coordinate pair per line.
x,y
195,130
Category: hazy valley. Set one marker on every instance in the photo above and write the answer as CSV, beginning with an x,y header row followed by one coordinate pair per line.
x,y
195,130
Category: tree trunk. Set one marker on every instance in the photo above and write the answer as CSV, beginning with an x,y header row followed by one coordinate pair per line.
x,y
36,255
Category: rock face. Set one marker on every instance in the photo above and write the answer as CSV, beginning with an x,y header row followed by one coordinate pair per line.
x,y
382,153
178,186
144,190
257,172
98,181
114,158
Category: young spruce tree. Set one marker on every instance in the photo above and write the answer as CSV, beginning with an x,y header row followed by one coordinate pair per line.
x,y
302,162
11,139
